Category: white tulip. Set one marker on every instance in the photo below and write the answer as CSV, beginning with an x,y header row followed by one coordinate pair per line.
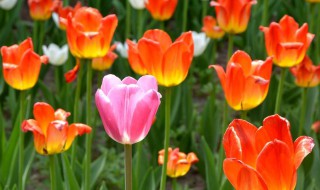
x,y
57,56
7,4
200,42
122,49
137,4
55,18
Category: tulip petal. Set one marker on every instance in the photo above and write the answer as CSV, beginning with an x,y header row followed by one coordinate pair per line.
x,y
44,114
159,36
235,84
221,75
134,59
74,130
108,82
148,82
243,59
262,68
187,38
242,176
60,114
129,80
31,125
289,26
274,127
56,136
238,141
302,147
276,165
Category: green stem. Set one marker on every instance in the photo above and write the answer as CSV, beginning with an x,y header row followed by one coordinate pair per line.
x,y
265,13
138,163
35,35
57,75
128,166
230,45
316,31
65,2
166,138
303,110
204,8
128,17
88,122
162,25
75,110
279,93
21,140
244,114
174,184
140,24
185,15
52,173
214,52
41,36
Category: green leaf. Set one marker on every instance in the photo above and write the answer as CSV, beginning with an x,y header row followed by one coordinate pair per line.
x,y
70,178
97,168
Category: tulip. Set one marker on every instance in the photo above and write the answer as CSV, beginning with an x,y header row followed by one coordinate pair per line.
x,y
286,42
57,56
211,28
122,49
128,107
316,126
71,75
7,4
233,15
21,65
161,9
264,158
157,55
307,74
137,4
246,82
104,63
52,133
200,42
40,9
60,17
178,162
89,35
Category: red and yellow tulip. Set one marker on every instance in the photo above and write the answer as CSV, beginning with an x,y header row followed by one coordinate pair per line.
x,y
286,42
246,82
52,133
157,55
178,162
21,65
63,13
233,15
161,9
306,74
211,28
104,63
40,9
89,34
264,158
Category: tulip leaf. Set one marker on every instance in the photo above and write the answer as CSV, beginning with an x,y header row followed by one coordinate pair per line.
x,y
312,99
29,157
97,168
69,174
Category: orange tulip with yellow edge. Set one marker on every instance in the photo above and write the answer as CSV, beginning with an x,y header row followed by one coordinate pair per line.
x,y
161,9
263,158
40,9
104,63
246,82
168,61
233,15
178,162
21,65
286,42
211,28
52,133
306,74
89,34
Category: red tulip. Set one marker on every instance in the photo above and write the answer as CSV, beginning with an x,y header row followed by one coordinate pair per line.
x,y
161,9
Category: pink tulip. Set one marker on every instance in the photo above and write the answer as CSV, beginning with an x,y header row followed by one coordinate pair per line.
x,y
128,107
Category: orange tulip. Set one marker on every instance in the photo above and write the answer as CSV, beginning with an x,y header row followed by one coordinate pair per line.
x,y
52,133
211,28
161,9
233,15
63,13
178,162
286,42
307,75
89,35
246,82
158,56
21,65
40,9
264,158
104,63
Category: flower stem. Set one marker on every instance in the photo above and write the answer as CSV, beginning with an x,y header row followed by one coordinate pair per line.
x,y
75,110
214,52
279,93
204,8
174,184
230,45
265,13
88,122
52,173
128,17
244,114
21,140
166,138
185,15
303,110
128,166
140,24
162,25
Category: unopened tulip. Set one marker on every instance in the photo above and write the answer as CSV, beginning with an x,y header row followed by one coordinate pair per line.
x,y
57,56
21,65
51,131
178,162
128,107
306,74
263,158
245,82
286,42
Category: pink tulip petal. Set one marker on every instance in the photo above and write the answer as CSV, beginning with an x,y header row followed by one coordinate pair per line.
x,y
148,82
108,82
129,80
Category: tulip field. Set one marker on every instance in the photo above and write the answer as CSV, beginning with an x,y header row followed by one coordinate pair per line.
x,y
160,94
